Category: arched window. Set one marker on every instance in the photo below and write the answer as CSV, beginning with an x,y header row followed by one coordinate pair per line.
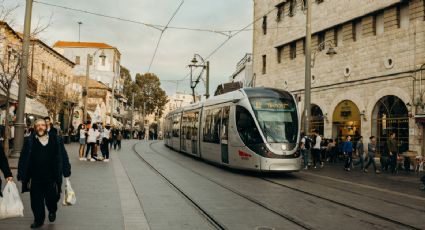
x,y
390,115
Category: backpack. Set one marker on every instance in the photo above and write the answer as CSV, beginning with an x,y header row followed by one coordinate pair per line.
x,y
313,141
308,142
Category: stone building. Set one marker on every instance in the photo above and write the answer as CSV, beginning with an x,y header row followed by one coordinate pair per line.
x,y
367,61
47,69
104,67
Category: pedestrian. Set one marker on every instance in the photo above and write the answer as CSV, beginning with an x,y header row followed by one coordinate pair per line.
x,y
331,151
114,137
360,153
316,150
393,152
92,136
305,146
83,133
119,139
347,149
50,129
371,151
98,141
106,134
4,167
42,163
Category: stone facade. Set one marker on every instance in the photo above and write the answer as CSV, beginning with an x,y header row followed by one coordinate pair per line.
x,y
380,47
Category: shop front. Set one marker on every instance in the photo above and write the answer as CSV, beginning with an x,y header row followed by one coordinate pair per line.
x,y
346,121
390,115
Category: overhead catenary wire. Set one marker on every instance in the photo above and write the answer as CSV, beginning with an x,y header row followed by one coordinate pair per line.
x,y
158,27
162,34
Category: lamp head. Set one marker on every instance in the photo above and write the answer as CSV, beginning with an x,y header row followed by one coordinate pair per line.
x,y
331,51
194,61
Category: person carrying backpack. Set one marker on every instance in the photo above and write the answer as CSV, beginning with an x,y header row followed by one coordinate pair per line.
x,y
305,146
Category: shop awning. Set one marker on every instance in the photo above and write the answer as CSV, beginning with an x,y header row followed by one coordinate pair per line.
x,y
34,107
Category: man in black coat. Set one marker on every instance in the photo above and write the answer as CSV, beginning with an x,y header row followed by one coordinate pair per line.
x,y
42,164
4,167
50,129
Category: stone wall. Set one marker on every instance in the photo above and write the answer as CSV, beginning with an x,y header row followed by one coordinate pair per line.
x,y
364,70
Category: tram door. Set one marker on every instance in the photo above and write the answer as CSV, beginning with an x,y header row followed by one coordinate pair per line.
x,y
224,137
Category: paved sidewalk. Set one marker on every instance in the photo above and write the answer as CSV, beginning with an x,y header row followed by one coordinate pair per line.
x,y
105,199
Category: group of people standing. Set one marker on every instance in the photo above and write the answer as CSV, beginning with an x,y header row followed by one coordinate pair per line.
x,y
94,137
322,150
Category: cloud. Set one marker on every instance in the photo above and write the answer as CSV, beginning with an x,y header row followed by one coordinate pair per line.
x,y
137,42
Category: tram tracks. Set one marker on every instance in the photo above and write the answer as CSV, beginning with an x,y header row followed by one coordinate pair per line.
x,y
286,216
204,212
341,204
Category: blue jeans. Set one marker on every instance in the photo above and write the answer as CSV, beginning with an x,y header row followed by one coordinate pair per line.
x,y
370,161
360,161
348,160
305,153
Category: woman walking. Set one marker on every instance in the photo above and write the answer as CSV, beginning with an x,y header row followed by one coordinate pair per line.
x,y
82,132
347,148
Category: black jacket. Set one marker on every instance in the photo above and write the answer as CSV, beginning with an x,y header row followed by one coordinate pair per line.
x,y
53,131
4,165
62,162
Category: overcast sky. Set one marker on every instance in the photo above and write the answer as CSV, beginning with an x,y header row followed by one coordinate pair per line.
x,y
137,42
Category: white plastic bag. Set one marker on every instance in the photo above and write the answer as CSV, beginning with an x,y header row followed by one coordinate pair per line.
x,y
69,198
11,205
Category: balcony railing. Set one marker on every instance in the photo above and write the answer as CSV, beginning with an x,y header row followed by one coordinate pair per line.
x,y
32,86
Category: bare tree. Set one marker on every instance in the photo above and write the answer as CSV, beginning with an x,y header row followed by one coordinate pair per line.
x,y
10,56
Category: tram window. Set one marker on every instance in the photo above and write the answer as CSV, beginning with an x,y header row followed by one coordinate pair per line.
x,y
195,126
246,127
211,128
176,126
225,123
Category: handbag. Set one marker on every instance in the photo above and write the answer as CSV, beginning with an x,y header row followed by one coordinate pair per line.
x,y
11,204
69,197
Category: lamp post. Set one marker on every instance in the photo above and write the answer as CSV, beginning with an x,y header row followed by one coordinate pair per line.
x,y
310,64
20,124
113,94
86,85
205,66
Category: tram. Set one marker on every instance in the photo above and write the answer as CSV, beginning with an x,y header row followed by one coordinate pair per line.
x,y
251,129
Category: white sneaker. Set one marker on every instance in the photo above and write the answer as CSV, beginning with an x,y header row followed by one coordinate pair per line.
x,y
81,159
106,160
84,158
92,160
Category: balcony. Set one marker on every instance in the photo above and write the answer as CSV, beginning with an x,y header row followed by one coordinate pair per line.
x,y
32,87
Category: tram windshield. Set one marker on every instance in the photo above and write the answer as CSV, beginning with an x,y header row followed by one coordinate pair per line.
x,y
277,118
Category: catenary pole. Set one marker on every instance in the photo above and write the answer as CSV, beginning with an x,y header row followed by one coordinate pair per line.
x,y
207,85
19,124
86,88
307,96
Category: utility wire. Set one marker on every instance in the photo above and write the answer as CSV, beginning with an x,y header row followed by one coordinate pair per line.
x,y
156,26
162,34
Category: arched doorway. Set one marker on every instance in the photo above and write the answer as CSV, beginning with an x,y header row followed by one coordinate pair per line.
x,y
316,120
346,121
391,115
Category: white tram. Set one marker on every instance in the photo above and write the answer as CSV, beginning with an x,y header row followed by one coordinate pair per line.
x,y
252,128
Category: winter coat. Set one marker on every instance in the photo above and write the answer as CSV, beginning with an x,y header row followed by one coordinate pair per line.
x,y
62,162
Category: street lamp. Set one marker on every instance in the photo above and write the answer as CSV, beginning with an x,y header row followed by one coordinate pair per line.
x,y
331,51
194,83
86,86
